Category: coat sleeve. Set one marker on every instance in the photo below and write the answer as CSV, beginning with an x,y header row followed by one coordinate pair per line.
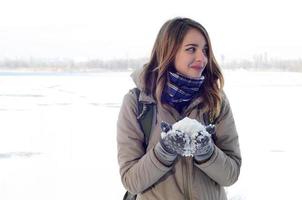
x,y
224,165
138,169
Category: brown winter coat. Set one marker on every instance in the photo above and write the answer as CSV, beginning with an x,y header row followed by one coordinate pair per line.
x,y
143,174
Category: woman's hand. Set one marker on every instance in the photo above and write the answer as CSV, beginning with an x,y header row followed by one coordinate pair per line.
x,y
204,146
173,141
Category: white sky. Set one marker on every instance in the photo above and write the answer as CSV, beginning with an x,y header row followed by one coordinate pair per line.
x,y
88,29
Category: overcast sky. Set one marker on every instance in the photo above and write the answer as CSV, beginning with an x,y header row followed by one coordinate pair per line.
x,y
90,29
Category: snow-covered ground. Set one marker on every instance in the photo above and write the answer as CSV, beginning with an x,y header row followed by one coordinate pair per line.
x,y
58,138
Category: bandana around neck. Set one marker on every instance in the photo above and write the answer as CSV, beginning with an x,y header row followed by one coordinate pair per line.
x,y
180,90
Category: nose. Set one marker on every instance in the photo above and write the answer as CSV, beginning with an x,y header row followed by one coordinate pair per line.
x,y
200,56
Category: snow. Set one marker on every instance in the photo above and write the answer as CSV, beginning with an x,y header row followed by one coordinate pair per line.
x,y
189,126
58,135
188,129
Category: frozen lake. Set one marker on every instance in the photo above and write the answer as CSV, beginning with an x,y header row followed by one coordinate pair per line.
x,y
58,139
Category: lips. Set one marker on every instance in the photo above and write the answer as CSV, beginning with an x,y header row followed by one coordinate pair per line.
x,y
199,67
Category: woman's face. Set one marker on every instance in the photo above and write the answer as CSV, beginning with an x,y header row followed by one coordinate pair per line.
x,y
191,58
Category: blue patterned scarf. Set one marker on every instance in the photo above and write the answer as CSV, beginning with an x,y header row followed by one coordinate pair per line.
x,y
180,90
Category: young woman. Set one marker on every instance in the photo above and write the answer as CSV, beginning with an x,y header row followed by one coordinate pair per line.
x,y
182,79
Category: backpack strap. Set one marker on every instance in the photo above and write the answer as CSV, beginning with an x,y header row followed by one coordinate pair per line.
x,y
144,116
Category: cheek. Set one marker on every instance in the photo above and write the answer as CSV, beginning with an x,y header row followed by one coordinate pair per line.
x,y
178,63
182,62
182,66
185,61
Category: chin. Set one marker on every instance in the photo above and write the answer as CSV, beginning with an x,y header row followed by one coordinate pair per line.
x,y
195,75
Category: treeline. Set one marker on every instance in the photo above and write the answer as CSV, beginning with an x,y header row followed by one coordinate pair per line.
x,y
69,65
271,65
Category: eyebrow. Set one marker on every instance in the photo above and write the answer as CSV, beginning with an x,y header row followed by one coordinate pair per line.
x,y
195,45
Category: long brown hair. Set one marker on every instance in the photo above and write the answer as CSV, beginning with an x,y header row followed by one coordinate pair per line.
x,y
168,41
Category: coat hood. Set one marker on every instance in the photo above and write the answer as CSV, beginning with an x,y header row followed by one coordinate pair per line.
x,y
136,77
138,81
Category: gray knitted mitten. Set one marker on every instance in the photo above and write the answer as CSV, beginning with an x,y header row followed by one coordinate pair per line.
x,y
174,141
204,145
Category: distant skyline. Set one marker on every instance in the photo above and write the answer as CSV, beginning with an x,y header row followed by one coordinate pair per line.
x,y
92,29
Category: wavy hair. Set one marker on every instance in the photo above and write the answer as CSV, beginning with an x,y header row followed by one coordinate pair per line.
x,y
167,43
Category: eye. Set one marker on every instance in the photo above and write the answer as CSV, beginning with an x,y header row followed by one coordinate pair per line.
x,y
205,51
191,49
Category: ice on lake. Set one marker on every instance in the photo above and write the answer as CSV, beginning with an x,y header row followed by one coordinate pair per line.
x,y
58,138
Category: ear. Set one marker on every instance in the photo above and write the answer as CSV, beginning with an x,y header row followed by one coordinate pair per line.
x,y
165,127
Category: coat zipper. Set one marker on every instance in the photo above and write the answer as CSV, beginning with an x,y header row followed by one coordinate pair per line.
x,y
189,165
186,174
186,179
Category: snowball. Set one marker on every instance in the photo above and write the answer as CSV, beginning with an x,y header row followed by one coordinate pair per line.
x,y
191,128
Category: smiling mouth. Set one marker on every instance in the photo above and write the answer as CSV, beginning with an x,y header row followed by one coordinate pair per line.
x,y
197,67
